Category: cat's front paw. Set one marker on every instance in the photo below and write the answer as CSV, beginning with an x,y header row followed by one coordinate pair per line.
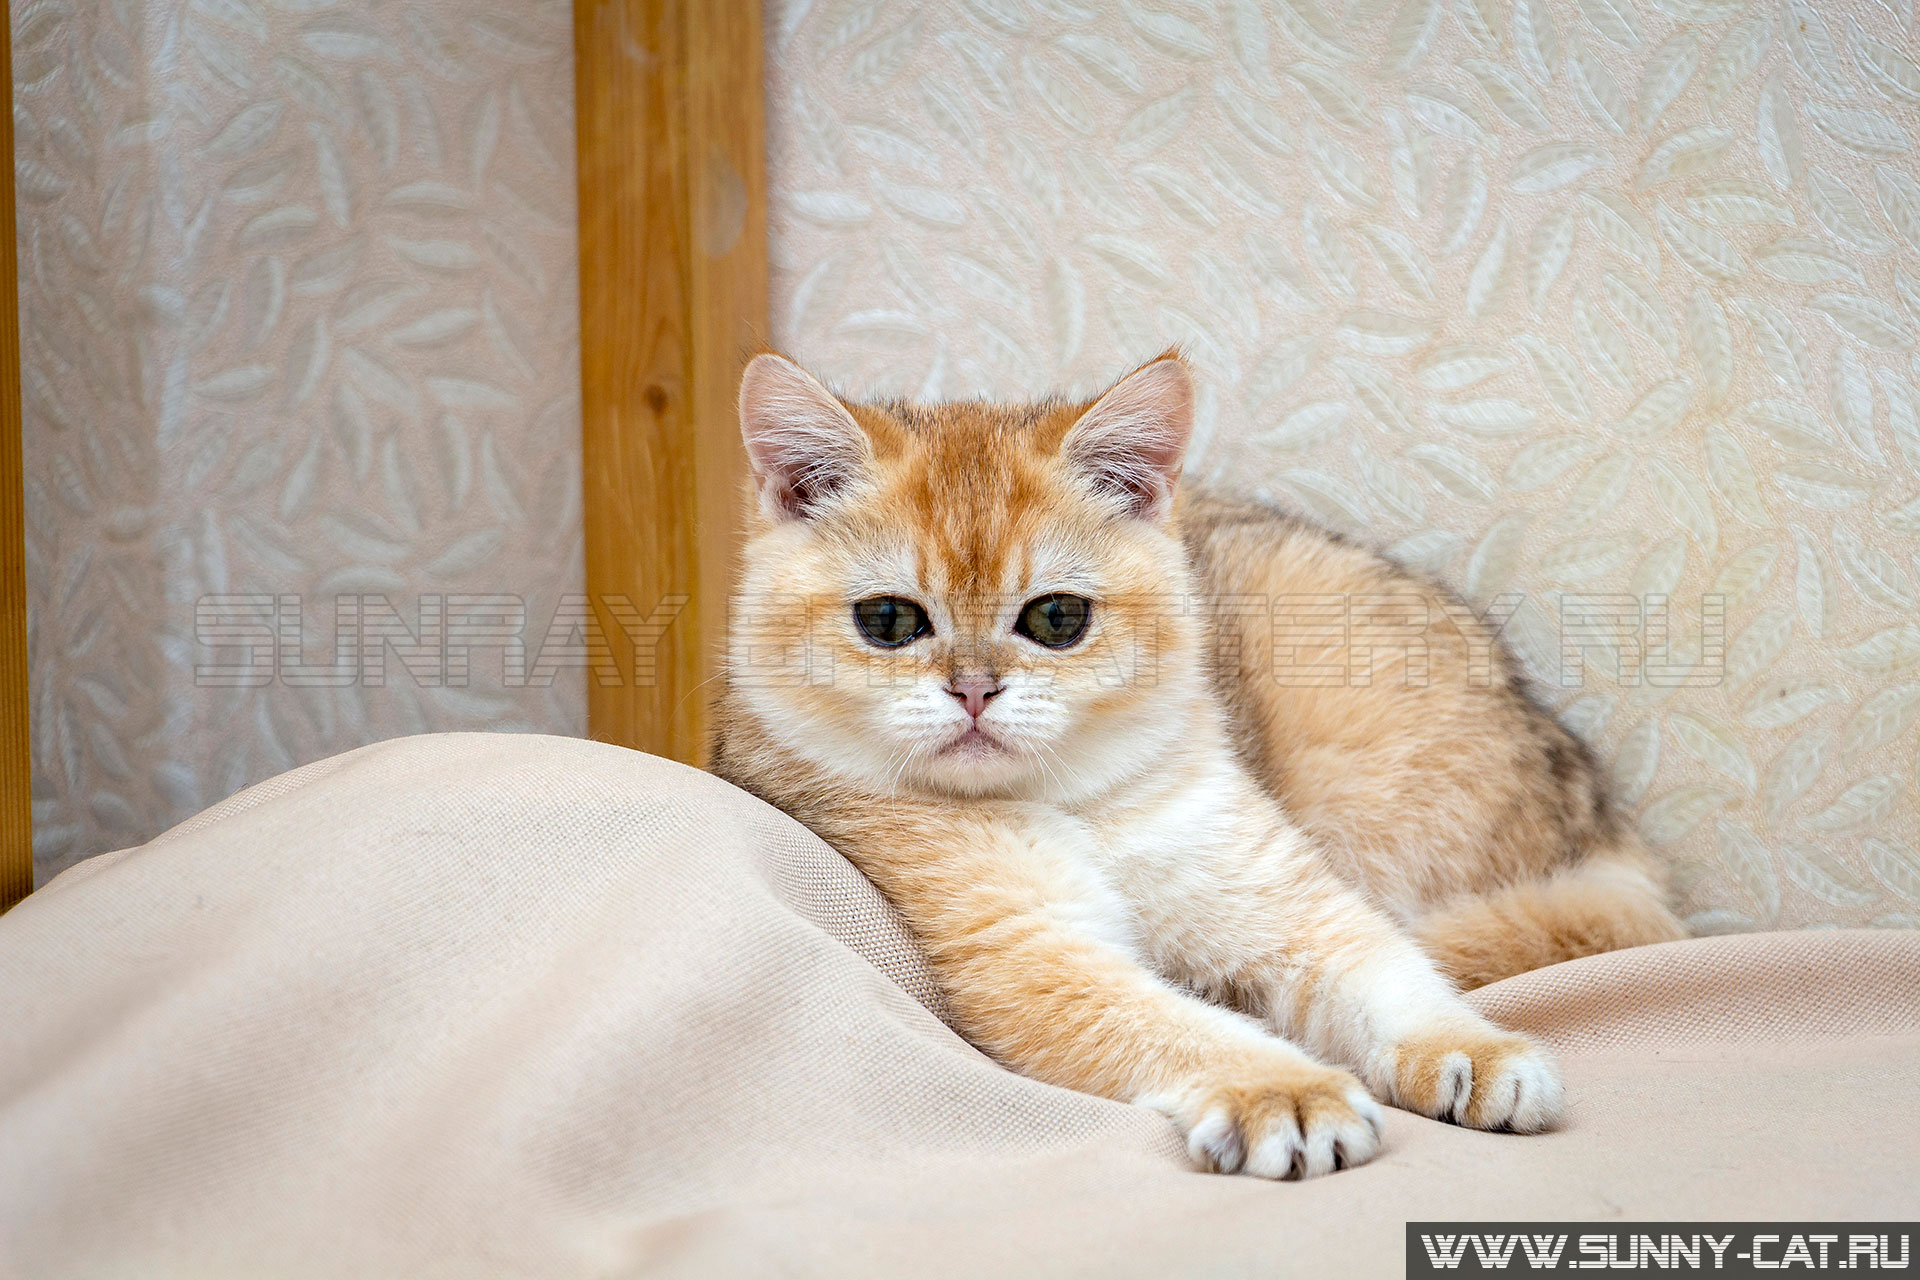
x,y
1286,1120
1479,1076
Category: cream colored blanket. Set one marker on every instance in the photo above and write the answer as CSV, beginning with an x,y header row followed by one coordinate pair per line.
x,y
476,1006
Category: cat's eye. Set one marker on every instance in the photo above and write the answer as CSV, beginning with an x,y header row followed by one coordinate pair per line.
x,y
1055,621
890,621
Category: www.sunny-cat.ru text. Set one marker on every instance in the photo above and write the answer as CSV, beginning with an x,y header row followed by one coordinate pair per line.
x,y
1569,640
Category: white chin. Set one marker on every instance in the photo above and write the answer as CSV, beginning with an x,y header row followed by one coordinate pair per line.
x,y
973,764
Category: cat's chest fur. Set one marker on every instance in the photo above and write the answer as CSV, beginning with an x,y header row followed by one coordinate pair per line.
x,y
1163,849
1166,826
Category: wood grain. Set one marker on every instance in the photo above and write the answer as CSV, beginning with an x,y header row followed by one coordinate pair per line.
x,y
16,762
673,300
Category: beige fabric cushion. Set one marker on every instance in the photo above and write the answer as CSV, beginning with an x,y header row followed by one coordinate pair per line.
x,y
481,1005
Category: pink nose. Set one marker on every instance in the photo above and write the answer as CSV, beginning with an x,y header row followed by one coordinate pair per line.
x,y
974,694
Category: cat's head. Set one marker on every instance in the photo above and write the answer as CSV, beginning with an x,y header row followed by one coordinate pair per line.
x,y
970,598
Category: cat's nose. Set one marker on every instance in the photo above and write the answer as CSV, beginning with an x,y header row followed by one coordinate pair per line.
x,y
974,693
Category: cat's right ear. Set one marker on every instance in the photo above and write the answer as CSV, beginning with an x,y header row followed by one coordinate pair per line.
x,y
803,445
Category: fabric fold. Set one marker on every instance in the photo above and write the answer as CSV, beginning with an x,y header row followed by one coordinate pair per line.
x,y
465,1005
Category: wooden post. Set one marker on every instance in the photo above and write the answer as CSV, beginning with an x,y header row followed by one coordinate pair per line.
x,y
16,759
673,301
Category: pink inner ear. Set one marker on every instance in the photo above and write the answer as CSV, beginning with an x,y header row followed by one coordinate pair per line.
x,y
1131,442
802,443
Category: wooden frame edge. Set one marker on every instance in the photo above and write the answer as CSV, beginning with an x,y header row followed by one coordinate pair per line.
x,y
670,131
16,749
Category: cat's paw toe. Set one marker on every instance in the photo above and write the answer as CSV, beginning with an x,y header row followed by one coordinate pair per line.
x,y
1297,1123
1478,1076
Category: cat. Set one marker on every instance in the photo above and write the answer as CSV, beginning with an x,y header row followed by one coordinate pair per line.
x,y
995,656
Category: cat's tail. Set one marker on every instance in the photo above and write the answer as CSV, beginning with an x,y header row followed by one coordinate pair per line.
x,y
1612,898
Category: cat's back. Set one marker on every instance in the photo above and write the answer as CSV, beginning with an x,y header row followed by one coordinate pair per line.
x,y
1242,546
1381,709
1313,630
1254,559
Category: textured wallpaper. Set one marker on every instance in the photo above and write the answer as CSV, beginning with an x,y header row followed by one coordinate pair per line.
x,y
1576,303
299,317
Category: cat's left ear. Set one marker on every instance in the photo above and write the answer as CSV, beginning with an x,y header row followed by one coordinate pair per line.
x,y
1130,443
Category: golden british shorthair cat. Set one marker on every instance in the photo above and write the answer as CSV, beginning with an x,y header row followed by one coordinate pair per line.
x,y
1162,844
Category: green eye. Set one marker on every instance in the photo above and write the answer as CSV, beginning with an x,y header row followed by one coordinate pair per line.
x,y
1055,621
890,621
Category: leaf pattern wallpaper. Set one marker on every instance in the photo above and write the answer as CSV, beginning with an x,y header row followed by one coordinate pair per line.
x,y
1556,299
299,315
